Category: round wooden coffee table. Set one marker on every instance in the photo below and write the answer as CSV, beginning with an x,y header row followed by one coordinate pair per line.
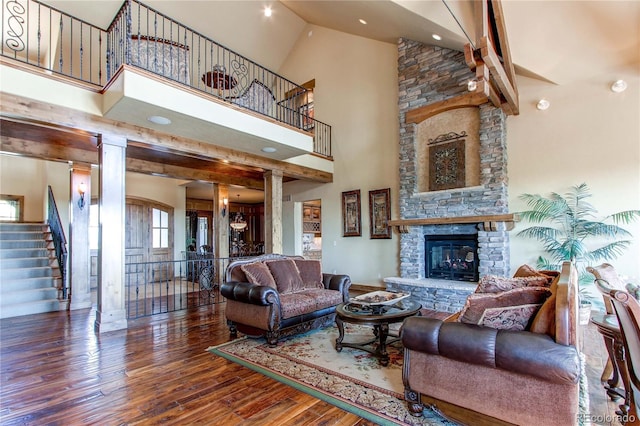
x,y
377,316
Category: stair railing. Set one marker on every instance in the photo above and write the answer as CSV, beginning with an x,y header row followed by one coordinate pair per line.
x,y
59,240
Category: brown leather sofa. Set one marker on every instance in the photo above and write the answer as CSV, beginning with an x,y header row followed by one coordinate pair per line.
x,y
274,296
482,375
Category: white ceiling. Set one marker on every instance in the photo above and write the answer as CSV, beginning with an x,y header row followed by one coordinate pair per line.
x,y
554,41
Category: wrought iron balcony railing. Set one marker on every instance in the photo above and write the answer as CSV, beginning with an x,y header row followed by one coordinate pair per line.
x,y
140,36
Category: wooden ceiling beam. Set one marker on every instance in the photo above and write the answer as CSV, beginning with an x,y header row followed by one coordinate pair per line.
x,y
177,172
58,153
24,108
501,28
498,73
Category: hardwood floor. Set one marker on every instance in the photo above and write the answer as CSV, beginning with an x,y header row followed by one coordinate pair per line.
x,y
56,370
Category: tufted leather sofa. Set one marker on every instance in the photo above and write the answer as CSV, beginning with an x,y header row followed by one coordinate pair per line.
x,y
481,375
269,300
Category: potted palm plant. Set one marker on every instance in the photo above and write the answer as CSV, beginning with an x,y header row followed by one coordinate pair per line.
x,y
569,228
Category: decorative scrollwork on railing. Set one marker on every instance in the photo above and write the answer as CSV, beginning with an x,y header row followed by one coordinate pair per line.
x,y
240,73
446,137
15,26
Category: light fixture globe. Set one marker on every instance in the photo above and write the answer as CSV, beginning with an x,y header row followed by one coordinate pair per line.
x,y
619,86
238,223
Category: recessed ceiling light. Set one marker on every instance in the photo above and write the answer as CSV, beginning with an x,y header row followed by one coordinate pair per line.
x,y
269,149
267,11
619,86
158,119
362,21
436,37
543,104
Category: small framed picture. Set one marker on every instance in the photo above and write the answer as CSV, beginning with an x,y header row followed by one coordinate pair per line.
x,y
380,213
351,226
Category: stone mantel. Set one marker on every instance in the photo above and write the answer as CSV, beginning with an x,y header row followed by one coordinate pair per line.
x,y
489,221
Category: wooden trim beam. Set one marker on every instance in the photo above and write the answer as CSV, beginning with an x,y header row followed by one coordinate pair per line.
x,y
489,222
501,29
24,108
498,74
420,114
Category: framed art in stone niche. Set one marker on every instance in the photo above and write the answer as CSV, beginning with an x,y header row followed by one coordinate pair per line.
x,y
446,165
380,213
351,226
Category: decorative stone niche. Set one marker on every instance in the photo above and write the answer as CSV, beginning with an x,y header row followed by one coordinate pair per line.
x,y
448,150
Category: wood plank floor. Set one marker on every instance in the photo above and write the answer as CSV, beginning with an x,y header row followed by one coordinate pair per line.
x,y
55,370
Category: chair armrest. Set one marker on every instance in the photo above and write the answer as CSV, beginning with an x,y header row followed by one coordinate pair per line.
x,y
521,352
337,282
250,293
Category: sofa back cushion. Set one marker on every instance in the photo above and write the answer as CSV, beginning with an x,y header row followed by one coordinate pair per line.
x,y
310,272
258,273
496,284
286,275
508,310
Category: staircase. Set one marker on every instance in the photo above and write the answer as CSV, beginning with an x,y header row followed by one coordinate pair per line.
x,y
29,275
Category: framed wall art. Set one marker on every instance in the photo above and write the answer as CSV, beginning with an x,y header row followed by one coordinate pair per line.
x,y
351,226
380,213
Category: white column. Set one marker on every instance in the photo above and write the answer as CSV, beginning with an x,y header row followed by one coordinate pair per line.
x,y
273,211
111,313
220,227
79,257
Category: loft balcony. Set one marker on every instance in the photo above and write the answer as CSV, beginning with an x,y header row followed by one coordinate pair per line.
x,y
147,64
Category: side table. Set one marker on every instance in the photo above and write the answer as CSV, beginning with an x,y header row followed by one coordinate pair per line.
x,y
607,325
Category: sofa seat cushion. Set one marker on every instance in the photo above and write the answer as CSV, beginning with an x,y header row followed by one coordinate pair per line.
x,y
307,301
520,352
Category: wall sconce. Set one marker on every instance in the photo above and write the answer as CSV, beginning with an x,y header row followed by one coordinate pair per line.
x,y
472,85
82,188
225,202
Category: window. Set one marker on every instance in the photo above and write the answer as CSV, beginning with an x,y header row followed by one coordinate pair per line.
x,y
160,228
11,208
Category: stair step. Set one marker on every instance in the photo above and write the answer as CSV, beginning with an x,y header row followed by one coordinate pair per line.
x,y
21,235
22,244
22,273
22,227
23,262
21,253
26,296
38,307
9,286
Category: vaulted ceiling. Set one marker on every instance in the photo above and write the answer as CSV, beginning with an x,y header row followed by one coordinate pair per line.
x,y
556,41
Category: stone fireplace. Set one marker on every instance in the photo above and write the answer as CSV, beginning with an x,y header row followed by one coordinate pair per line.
x,y
428,74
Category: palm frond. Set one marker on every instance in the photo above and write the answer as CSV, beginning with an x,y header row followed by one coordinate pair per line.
x,y
626,216
540,233
610,251
599,229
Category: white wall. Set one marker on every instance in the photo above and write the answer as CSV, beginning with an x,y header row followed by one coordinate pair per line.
x,y
589,134
357,94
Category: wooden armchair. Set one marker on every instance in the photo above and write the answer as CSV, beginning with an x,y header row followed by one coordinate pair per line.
x,y
627,311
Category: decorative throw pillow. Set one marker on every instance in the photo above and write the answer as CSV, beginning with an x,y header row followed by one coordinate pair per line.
x,y
496,284
508,310
258,273
310,272
545,320
286,275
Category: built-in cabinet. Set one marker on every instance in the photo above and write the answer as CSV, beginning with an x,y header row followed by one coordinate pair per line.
x,y
311,219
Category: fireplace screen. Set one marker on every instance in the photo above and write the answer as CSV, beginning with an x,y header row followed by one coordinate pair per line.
x,y
451,257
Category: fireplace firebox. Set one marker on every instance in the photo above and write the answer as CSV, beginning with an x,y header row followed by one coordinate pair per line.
x,y
452,257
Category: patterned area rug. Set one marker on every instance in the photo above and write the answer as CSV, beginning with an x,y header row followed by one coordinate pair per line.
x,y
352,379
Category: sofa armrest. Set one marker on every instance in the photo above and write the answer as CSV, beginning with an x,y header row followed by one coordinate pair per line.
x,y
250,293
337,282
522,352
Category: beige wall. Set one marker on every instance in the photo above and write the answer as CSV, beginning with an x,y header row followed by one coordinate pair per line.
x,y
589,134
357,94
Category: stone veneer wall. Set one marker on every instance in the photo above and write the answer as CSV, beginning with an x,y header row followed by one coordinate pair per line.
x,y
427,74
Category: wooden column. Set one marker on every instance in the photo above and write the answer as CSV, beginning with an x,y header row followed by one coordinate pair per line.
x,y
273,211
111,313
220,228
79,258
